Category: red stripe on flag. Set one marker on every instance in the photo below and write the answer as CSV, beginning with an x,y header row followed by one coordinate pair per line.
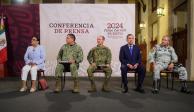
x,y
3,55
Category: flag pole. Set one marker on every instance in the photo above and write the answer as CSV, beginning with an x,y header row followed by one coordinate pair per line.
x,y
4,17
3,51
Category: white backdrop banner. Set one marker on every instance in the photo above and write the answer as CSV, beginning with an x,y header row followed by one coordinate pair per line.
x,y
86,21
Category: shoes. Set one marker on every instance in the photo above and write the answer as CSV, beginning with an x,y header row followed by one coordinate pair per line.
x,y
155,91
32,90
184,90
156,86
23,89
125,90
93,87
76,86
105,85
140,90
58,87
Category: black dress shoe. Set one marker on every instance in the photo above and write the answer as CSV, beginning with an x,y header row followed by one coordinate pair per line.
x,y
140,90
185,90
155,91
125,90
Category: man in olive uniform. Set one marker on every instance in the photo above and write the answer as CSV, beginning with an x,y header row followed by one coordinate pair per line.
x,y
163,57
99,56
71,53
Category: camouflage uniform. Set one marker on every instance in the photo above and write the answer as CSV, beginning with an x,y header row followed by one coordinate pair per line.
x,y
100,55
66,53
163,56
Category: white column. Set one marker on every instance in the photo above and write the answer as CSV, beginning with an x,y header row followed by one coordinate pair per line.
x,y
191,31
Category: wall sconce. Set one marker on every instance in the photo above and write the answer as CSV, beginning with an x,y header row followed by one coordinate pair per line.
x,y
142,25
20,1
160,11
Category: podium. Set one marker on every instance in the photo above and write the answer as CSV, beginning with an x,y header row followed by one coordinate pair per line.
x,y
3,70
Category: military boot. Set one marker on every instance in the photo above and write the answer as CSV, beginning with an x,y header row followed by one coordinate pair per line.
x,y
58,86
76,86
105,86
93,86
156,86
184,88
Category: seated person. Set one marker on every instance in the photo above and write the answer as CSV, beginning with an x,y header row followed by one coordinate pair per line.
x,y
72,53
164,57
130,58
99,56
34,60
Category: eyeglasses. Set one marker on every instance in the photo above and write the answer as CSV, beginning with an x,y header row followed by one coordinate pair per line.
x,y
34,39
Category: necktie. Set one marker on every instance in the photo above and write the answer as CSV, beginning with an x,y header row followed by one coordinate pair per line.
x,y
130,49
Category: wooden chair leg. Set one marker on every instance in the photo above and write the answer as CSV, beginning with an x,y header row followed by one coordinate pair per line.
x,y
62,83
167,80
121,83
172,81
159,84
160,81
38,78
39,75
135,79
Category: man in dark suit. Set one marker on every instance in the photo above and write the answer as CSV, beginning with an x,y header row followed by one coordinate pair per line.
x,y
130,59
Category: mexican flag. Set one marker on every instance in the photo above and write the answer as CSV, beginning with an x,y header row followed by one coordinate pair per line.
x,y
3,42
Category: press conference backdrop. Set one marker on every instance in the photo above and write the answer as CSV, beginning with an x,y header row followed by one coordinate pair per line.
x,y
86,21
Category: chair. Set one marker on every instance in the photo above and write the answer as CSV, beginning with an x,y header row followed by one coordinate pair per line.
x,y
66,69
99,70
167,77
135,74
40,73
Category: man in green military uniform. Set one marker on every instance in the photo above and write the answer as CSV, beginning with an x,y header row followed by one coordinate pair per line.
x,y
71,53
99,57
